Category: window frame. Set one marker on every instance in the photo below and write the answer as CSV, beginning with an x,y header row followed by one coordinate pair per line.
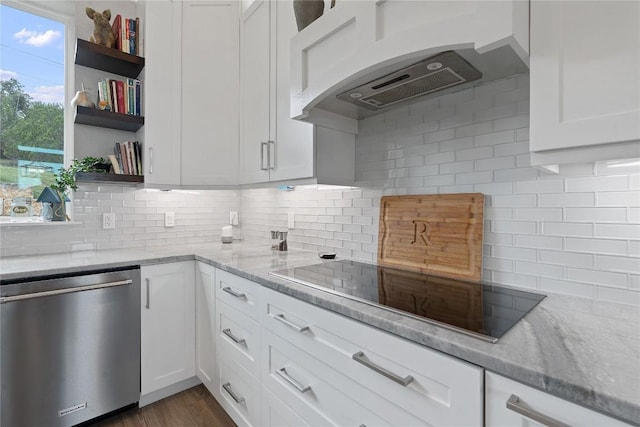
x,y
66,15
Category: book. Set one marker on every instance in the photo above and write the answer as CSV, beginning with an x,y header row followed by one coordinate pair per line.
x,y
138,37
116,27
123,158
138,95
114,164
120,93
138,150
132,36
118,154
114,96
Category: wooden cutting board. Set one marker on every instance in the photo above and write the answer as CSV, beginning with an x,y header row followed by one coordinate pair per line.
x,y
437,234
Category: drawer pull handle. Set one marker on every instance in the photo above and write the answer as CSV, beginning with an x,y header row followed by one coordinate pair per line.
x,y
281,318
361,358
227,388
234,293
514,404
283,374
233,338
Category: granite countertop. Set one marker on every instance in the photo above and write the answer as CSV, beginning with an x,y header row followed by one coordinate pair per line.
x,y
585,351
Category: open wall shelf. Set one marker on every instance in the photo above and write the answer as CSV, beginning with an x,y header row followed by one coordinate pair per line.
x,y
104,58
109,178
108,119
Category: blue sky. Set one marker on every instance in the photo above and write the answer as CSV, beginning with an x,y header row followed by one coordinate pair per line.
x,y
32,51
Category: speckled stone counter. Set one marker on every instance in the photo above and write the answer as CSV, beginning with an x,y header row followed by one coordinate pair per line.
x,y
585,351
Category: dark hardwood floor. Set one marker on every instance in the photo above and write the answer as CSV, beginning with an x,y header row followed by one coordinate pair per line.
x,y
191,408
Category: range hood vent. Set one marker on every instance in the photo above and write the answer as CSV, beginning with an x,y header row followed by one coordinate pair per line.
x,y
436,73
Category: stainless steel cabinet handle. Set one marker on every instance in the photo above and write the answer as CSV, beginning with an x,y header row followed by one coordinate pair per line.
x,y
271,143
227,388
148,304
281,318
262,166
233,338
361,358
514,404
282,372
150,159
64,291
234,293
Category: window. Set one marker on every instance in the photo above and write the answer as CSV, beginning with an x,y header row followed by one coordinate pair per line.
x,y
32,98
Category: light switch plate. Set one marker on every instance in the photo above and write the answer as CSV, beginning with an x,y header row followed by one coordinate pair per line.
x,y
291,221
108,221
169,219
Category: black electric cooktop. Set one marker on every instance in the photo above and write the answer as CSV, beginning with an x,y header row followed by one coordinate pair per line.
x,y
481,310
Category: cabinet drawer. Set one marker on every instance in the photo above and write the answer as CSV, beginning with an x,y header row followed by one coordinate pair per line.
x,y
276,414
239,293
314,391
527,405
239,392
238,338
440,389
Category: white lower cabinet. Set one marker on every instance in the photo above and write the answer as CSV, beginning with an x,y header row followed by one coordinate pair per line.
x,y
385,379
509,403
206,369
168,326
275,413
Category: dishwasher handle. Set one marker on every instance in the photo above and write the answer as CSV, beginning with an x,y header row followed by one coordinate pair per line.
x,y
14,298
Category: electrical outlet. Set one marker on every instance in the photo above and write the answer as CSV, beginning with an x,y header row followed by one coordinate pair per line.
x,y
108,221
169,219
233,217
291,221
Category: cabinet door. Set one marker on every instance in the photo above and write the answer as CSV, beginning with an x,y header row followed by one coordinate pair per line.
x,y
161,91
255,92
210,92
168,325
509,403
292,155
205,326
585,63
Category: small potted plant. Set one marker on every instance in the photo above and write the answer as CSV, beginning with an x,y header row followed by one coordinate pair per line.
x,y
56,194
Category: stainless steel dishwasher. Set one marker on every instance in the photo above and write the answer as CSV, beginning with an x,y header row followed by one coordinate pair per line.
x,y
70,347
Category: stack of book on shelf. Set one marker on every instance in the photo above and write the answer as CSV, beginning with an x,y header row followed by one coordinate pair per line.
x,y
128,32
120,96
127,158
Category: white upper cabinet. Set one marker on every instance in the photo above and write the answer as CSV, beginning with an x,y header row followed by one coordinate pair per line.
x,y
255,92
585,80
273,147
191,91
209,93
361,40
161,91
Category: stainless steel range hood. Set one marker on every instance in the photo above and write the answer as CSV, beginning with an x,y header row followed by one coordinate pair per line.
x,y
413,80
433,74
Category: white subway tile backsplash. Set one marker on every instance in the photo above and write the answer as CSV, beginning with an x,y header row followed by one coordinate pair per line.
x,y
596,214
567,200
564,258
511,149
622,296
567,287
604,246
618,231
616,263
597,183
597,277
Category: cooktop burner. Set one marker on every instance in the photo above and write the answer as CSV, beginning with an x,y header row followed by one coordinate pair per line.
x,y
478,309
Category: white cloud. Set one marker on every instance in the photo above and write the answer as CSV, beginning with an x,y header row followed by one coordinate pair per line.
x,y
48,94
6,74
35,38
